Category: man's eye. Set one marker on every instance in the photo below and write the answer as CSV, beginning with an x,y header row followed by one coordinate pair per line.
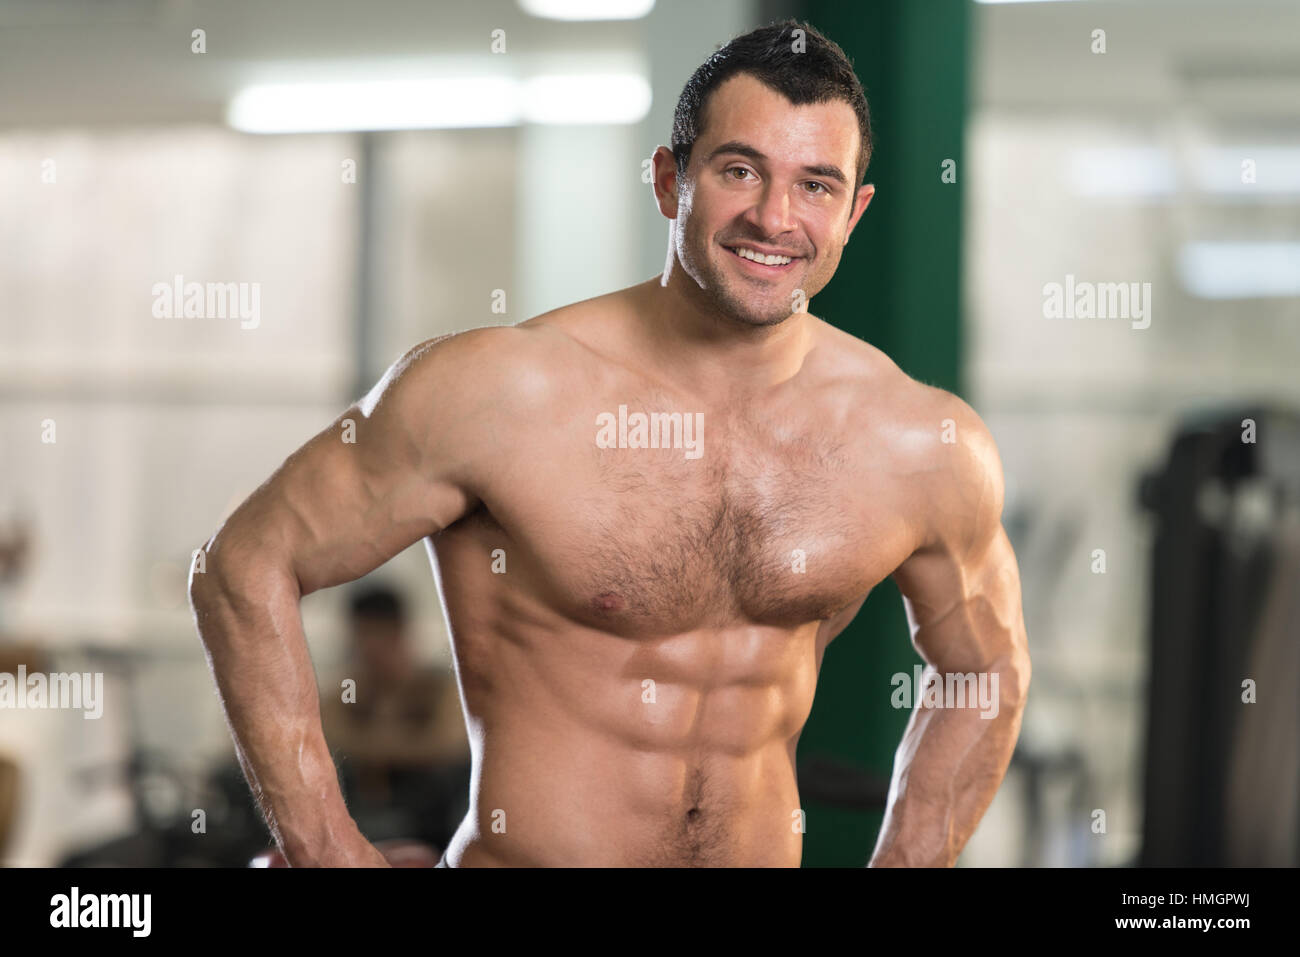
x,y
820,188
738,169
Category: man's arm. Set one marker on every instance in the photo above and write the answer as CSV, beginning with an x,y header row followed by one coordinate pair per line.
x,y
961,590
343,504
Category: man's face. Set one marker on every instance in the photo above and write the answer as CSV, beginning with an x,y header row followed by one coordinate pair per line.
x,y
381,646
772,178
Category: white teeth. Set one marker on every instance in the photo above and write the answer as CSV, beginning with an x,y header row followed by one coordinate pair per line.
x,y
759,258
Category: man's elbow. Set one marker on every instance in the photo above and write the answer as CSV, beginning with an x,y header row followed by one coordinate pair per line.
x,y
201,579
228,588
1014,671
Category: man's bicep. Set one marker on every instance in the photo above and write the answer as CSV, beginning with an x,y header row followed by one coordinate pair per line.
x,y
377,480
352,498
964,615
962,587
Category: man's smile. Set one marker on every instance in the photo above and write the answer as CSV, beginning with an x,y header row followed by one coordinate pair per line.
x,y
760,261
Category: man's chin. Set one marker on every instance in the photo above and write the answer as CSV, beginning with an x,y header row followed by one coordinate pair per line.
x,y
752,314
765,314
764,320
757,321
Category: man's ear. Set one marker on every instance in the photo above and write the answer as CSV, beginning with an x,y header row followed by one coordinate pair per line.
x,y
860,201
664,173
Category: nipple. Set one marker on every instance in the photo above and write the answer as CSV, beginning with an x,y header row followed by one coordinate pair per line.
x,y
607,601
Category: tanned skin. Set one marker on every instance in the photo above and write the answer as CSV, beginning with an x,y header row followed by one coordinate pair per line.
x,y
636,678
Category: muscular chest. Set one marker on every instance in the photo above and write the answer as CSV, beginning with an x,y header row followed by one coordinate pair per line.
x,y
773,527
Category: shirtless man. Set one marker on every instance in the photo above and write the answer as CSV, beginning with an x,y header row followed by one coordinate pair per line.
x,y
638,631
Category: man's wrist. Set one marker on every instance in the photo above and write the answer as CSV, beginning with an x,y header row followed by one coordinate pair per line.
x,y
910,846
324,843
316,824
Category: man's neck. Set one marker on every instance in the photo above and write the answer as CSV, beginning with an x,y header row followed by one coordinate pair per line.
x,y
712,355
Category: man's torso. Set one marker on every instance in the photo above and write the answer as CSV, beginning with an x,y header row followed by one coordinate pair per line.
x,y
638,633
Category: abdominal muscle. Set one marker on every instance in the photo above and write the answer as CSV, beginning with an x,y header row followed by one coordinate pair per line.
x,y
595,750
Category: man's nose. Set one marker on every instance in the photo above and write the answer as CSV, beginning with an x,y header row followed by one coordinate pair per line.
x,y
772,211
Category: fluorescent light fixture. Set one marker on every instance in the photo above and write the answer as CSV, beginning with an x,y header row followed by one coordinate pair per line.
x,y
382,105
1240,270
587,9
1122,171
614,98
445,103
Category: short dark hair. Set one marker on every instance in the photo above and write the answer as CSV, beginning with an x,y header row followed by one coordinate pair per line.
x,y
819,73
378,603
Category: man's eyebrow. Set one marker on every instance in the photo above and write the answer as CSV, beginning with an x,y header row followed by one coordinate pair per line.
x,y
830,172
735,146
744,149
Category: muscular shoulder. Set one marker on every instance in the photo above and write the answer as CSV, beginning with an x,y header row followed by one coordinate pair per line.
x,y
955,469
454,405
473,379
942,454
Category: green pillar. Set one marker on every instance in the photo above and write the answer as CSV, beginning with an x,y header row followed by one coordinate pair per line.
x,y
898,287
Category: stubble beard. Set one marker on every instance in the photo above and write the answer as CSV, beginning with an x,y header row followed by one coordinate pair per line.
x,y
719,293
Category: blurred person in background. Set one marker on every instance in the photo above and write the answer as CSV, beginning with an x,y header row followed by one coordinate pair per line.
x,y
396,728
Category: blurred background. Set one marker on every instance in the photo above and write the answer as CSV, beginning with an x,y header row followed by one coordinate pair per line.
x,y
1152,472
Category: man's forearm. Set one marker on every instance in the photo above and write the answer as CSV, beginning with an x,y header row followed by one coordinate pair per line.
x,y
251,627
946,772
